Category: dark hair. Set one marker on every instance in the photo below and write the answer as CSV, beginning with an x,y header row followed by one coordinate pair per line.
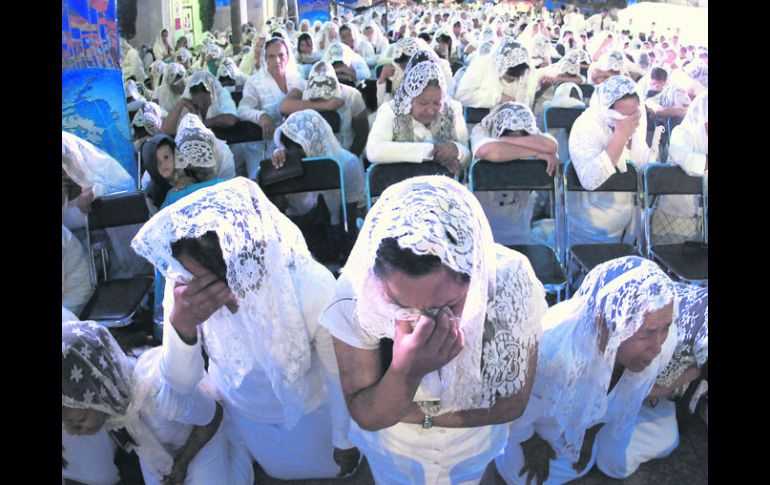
x,y
420,56
425,36
292,146
344,27
658,74
391,257
140,132
517,71
275,39
444,38
159,186
627,96
199,88
512,133
402,59
304,36
205,250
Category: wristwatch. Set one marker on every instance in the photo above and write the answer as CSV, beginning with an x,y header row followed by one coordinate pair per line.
x,y
427,422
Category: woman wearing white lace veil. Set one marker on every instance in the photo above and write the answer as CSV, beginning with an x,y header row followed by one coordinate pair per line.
x,y
205,97
241,282
314,136
328,34
130,62
420,123
200,156
162,49
134,97
599,356
509,132
263,93
613,63
176,437
349,65
229,76
463,314
352,37
656,433
394,63
171,87
94,172
677,217
565,70
183,56
249,64
146,123
374,35
607,134
506,75
323,93
156,73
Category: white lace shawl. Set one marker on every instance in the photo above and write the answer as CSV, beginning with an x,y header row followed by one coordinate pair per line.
x,y
573,375
194,144
96,374
412,85
311,131
405,45
692,332
228,68
570,63
611,90
259,245
91,167
322,83
436,215
510,116
509,53
149,116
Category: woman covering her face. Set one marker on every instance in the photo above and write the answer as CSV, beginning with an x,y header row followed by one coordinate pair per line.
x,y
463,314
599,356
268,357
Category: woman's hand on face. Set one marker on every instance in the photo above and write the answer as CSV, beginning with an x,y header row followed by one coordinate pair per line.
x,y
268,127
85,200
628,125
428,347
197,300
278,158
537,456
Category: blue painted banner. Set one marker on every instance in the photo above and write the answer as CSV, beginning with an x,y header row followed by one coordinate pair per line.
x,y
313,10
93,100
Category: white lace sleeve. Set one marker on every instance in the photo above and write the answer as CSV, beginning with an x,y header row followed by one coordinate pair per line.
x,y
181,365
682,152
380,147
587,143
249,107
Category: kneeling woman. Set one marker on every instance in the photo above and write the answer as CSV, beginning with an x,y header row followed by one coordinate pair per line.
x,y
177,437
435,329
600,355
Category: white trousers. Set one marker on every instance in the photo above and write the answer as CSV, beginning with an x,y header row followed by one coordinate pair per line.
x,y
210,465
655,435
304,452
408,454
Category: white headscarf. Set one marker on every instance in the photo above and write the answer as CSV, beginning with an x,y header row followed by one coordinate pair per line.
x,y
156,71
337,51
149,116
259,246
436,215
291,65
212,85
91,167
311,131
195,144
163,94
96,374
161,50
510,116
562,97
573,374
610,91
322,83
695,120
692,325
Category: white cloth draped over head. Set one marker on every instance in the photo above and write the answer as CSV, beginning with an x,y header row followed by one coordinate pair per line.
x,y
570,63
435,215
510,116
337,51
161,50
212,85
329,33
91,167
610,91
96,374
195,144
291,65
699,71
573,373
507,54
566,95
692,325
414,83
322,83
228,68
259,246
149,116
613,61
156,71
311,131
183,55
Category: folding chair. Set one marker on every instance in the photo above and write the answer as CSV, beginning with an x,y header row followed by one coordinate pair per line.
x,y
587,256
474,115
587,90
114,303
560,118
240,132
525,175
687,261
381,176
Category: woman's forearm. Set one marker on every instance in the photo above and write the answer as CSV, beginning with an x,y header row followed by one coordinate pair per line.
x,y
199,436
537,143
386,403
